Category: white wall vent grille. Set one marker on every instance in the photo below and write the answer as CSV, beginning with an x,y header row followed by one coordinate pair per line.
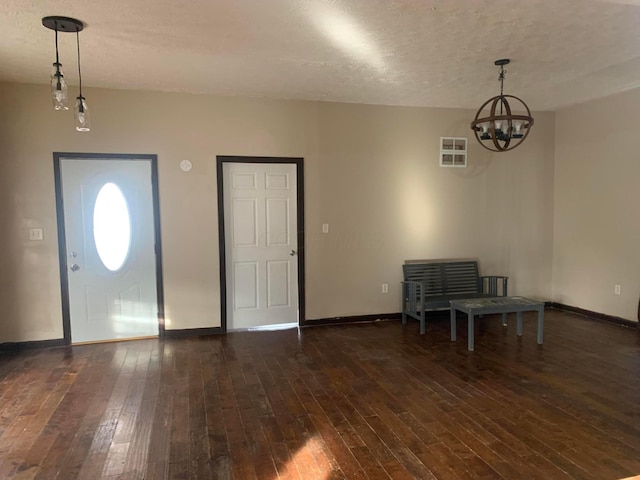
x,y
453,152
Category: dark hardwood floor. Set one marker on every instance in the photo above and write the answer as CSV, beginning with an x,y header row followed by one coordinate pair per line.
x,y
357,401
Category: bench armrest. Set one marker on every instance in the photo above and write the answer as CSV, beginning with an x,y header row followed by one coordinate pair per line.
x,y
489,284
417,288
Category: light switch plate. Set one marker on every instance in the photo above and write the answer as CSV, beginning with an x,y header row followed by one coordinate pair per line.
x,y
325,228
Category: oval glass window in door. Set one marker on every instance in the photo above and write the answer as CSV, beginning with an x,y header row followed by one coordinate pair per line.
x,y
112,226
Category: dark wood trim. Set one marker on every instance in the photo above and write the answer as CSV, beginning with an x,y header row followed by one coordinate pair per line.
x,y
62,242
62,249
18,346
155,193
301,251
222,251
192,332
595,315
352,319
299,162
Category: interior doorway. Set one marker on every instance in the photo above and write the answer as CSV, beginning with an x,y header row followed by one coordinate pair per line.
x,y
261,224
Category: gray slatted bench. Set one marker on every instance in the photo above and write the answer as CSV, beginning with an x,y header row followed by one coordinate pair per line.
x,y
432,284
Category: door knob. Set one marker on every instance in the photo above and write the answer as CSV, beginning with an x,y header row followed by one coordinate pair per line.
x,y
292,252
75,267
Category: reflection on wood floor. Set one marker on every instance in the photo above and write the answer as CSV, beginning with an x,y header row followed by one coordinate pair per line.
x,y
356,401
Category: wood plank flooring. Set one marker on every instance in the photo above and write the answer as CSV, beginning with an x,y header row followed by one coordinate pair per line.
x,y
365,401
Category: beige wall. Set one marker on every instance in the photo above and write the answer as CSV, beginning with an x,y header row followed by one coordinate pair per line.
x,y
597,206
371,172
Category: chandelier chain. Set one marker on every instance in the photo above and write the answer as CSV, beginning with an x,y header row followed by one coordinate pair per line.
x,y
501,78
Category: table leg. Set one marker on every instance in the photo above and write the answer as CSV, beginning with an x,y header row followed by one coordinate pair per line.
x,y
540,324
453,324
504,319
470,330
519,323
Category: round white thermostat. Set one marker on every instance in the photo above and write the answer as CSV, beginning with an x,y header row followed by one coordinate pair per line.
x,y
185,165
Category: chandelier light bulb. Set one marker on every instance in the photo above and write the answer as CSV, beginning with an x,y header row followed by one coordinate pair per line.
x,y
485,131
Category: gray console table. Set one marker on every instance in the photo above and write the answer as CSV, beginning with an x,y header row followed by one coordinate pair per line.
x,y
503,305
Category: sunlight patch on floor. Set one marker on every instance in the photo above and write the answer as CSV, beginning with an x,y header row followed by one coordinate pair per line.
x,y
303,464
266,328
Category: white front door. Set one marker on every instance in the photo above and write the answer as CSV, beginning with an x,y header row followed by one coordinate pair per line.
x,y
110,248
261,238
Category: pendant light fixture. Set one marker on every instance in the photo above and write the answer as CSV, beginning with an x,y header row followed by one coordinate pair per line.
x,y
500,129
59,93
81,110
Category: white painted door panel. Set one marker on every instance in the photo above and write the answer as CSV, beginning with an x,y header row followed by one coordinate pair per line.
x,y
261,240
109,298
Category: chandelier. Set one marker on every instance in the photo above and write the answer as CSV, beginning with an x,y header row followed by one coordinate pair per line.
x,y
500,129
59,94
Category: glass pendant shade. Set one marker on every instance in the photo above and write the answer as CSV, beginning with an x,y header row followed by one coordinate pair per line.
x,y
81,114
59,94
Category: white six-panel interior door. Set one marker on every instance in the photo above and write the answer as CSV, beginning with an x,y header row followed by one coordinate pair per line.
x,y
110,255
260,218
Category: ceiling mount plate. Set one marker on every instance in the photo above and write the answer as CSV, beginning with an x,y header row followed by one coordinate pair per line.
x,y
503,61
63,24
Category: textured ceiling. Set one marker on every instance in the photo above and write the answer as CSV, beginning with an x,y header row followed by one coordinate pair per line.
x,y
393,52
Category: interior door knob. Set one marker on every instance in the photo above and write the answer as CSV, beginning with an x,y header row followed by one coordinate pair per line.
x,y
292,252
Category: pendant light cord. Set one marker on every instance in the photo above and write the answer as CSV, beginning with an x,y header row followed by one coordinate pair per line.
x,y
79,73
57,57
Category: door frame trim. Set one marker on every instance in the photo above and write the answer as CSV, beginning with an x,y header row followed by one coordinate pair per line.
x,y
299,163
62,242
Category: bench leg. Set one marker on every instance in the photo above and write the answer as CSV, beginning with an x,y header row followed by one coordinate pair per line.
x,y
504,319
519,314
423,327
453,325
403,301
470,332
540,324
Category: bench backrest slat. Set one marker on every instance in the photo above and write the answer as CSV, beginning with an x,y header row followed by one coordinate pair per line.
x,y
445,277
427,273
461,277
